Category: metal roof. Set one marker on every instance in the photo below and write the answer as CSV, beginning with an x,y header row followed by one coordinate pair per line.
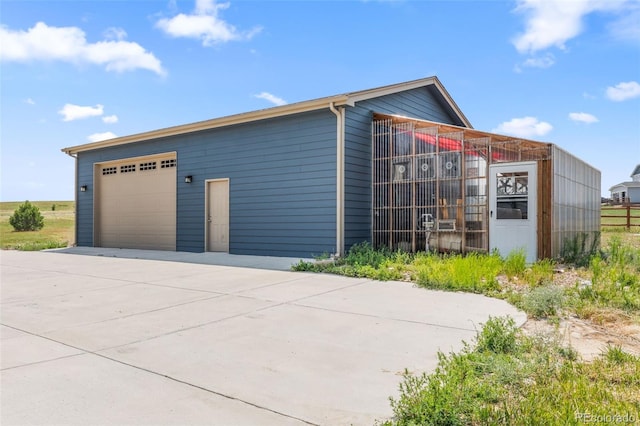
x,y
625,185
349,99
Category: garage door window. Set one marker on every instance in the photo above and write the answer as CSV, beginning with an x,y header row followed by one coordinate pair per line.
x,y
128,168
148,166
165,164
109,171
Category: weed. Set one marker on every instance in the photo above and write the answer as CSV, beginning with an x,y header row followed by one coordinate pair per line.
x,y
542,302
515,263
365,254
581,248
524,380
41,245
616,355
474,272
540,273
498,336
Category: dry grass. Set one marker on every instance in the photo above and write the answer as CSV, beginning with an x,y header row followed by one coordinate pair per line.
x,y
58,228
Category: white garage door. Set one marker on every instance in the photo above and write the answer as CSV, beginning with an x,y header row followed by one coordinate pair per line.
x,y
135,205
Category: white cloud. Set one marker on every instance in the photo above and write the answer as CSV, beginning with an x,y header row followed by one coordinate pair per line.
x,y
271,98
554,22
69,44
76,112
540,62
623,91
205,24
583,117
97,137
627,27
114,33
110,119
29,101
525,127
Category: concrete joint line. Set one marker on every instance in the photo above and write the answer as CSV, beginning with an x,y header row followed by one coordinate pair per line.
x,y
384,318
211,391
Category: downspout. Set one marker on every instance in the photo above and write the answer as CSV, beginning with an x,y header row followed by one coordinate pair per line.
x,y
75,199
339,178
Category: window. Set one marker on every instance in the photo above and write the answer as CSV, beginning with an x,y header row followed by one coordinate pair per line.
x,y
129,168
165,164
512,190
109,171
148,166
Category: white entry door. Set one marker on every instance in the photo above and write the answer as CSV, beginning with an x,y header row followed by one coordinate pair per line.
x,y
513,208
218,215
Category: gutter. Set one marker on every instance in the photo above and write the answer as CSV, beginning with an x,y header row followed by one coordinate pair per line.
x,y
340,118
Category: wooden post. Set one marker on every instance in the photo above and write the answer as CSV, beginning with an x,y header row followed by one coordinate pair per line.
x,y
628,217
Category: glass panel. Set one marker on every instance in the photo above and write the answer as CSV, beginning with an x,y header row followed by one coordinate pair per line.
x,y
512,191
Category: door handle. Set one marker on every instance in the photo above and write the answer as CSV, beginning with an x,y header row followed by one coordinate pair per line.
x,y
491,213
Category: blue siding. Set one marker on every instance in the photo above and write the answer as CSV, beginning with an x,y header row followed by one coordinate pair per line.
x,y
282,177
416,103
282,184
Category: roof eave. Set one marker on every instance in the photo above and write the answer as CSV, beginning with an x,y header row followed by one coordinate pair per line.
x,y
338,100
246,117
423,82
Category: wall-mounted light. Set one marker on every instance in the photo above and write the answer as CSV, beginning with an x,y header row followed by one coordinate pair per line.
x,y
83,188
188,179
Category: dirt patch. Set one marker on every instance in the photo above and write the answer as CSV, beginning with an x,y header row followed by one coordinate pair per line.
x,y
591,336
589,339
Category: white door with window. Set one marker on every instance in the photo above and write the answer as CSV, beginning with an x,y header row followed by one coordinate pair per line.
x,y
218,215
513,208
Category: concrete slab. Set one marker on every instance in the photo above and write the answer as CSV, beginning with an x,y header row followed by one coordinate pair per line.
x,y
92,390
137,328
225,280
207,258
85,337
92,306
295,356
19,349
465,311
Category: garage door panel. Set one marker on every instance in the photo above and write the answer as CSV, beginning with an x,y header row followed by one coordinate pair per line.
x,y
136,208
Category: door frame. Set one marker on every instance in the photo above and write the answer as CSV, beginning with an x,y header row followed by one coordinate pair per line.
x,y
207,182
534,204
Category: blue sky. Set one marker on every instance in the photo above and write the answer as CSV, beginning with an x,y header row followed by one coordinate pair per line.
x,y
561,71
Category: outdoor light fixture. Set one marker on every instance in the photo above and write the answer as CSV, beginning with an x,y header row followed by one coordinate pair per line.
x,y
188,179
83,188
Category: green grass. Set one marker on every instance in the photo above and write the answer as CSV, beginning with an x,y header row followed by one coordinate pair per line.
x,y
509,378
58,228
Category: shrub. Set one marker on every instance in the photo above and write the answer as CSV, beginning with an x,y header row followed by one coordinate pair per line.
x,y
499,335
27,217
542,302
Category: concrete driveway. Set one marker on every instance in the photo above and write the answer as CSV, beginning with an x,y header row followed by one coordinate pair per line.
x,y
111,340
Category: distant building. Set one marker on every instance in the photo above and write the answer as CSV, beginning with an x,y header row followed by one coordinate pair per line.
x,y
627,192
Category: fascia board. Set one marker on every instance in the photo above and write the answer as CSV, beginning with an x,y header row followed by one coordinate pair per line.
x,y
410,85
247,117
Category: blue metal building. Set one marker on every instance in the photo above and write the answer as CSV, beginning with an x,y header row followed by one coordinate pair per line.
x,y
293,180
